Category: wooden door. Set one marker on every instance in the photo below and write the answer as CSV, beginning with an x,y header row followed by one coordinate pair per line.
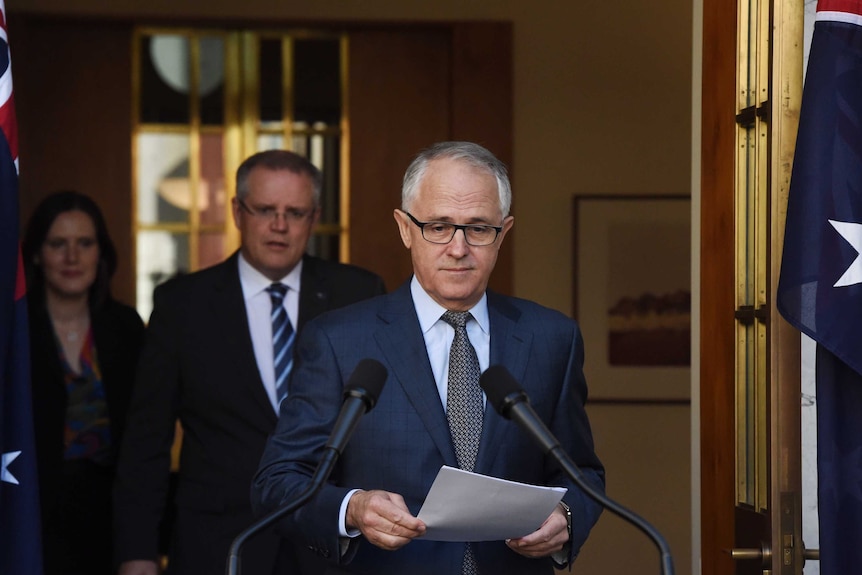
x,y
749,376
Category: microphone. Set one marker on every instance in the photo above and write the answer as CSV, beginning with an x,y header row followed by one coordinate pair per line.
x,y
510,401
360,396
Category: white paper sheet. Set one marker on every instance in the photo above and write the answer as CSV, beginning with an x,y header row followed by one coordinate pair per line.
x,y
464,506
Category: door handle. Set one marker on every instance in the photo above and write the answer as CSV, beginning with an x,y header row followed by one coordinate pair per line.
x,y
764,554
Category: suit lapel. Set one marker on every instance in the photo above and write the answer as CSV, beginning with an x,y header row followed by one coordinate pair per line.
x,y
227,305
404,347
510,343
510,347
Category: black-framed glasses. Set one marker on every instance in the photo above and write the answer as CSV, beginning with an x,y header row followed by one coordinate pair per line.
x,y
270,214
443,232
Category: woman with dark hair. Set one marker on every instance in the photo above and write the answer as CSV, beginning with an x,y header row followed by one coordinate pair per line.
x,y
84,347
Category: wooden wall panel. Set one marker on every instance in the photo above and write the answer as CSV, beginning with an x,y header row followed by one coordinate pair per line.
x,y
399,104
73,96
411,87
482,107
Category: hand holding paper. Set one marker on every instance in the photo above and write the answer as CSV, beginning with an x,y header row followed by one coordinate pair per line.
x,y
464,506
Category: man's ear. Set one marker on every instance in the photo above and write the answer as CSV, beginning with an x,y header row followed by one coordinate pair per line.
x,y
235,208
403,227
508,222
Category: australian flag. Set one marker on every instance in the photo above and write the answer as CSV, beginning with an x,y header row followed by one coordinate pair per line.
x,y
20,540
820,288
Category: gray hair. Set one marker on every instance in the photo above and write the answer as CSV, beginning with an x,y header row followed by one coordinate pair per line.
x,y
473,154
278,160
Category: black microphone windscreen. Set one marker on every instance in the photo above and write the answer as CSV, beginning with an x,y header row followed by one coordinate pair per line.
x,y
498,385
368,377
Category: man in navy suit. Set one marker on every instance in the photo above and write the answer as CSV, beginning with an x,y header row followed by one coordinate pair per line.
x,y
208,362
453,219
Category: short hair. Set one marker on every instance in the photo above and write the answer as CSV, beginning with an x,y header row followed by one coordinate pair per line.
x,y
278,160
473,154
37,232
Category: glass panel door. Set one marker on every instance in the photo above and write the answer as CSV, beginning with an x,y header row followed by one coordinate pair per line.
x,y
207,99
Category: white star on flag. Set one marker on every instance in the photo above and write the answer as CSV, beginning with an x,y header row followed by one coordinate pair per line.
x,y
4,468
851,232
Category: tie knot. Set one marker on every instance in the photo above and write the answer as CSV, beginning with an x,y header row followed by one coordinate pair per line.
x,y
456,318
276,292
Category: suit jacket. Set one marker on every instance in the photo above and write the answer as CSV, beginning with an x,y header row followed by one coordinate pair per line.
x,y
401,444
198,366
118,334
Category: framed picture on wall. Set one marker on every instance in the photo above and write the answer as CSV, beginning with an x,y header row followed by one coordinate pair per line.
x,y
632,295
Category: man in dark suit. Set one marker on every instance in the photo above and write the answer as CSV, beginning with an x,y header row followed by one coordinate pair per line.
x,y
211,361
453,219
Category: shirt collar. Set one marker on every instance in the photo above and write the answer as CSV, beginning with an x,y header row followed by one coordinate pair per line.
x,y
429,311
254,282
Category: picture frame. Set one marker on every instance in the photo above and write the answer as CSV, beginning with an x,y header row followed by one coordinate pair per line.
x,y
632,296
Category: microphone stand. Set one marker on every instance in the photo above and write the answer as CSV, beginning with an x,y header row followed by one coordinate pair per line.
x,y
577,476
321,474
360,395
510,401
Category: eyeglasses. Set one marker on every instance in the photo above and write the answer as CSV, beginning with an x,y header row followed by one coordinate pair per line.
x,y
270,214
443,232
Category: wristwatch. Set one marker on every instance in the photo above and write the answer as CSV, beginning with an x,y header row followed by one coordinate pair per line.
x,y
568,546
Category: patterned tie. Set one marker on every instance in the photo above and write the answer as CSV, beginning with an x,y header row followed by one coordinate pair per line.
x,y
282,339
464,406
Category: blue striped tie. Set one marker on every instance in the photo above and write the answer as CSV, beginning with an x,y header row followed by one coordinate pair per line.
x,y
282,339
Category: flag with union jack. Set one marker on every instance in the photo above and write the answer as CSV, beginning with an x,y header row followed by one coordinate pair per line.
x,y
820,287
20,540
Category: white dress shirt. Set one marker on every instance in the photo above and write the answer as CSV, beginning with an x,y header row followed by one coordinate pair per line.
x,y
258,308
439,335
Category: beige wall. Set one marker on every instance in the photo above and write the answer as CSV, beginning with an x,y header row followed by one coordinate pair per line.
x,y
602,105
646,452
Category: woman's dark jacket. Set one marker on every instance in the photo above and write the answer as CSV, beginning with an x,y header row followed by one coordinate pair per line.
x,y
118,333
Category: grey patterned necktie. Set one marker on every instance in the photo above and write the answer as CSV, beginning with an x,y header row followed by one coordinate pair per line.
x,y
464,406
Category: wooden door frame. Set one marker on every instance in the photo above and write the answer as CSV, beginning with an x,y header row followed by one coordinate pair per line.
x,y
717,291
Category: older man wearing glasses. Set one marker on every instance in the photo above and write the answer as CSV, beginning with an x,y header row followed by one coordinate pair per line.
x,y
218,354
435,335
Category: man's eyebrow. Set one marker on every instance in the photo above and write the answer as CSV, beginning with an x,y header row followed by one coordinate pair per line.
x,y
470,221
261,204
275,206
